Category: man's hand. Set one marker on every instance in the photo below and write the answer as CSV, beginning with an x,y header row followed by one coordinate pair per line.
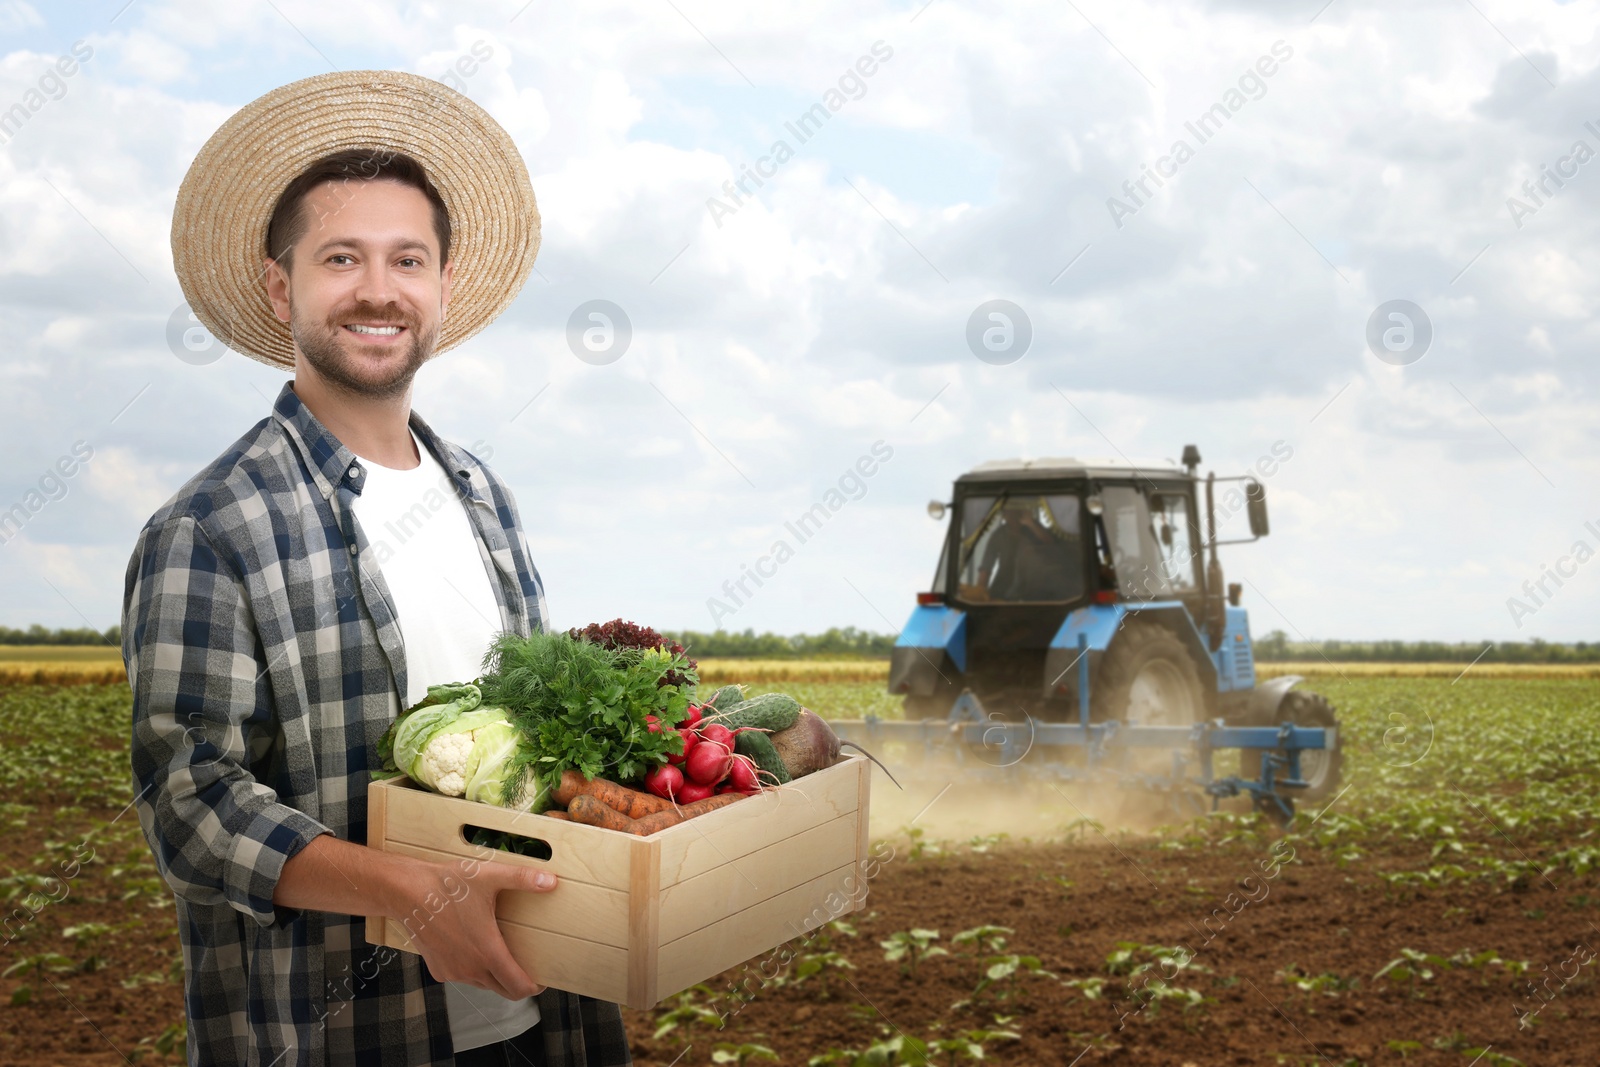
x,y
447,909
453,925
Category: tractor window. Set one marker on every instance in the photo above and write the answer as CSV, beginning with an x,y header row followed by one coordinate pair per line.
x,y
1147,565
1169,516
1017,548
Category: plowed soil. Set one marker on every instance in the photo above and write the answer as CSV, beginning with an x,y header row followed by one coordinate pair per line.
x,y
1311,916
1069,905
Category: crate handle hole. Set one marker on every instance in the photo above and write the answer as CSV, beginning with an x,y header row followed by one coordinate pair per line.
x,y
518,844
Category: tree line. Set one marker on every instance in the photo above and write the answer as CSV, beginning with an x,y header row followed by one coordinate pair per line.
x,y
1276,646
38,635
850,643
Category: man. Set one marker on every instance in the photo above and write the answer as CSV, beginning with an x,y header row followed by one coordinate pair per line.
x,y
294,596
1026,562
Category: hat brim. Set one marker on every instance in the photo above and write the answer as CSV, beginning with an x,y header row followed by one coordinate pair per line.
x,y
219,222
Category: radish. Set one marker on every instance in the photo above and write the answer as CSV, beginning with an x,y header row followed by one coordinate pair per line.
x,y
708,763
692,716
689,741
693,791
718,734
652,724
742,775
665,781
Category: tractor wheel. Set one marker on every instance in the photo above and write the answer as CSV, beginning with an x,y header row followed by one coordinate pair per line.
x,y
1147,676
1321,768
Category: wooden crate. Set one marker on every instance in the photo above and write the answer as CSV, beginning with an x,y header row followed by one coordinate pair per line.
x,y
637,919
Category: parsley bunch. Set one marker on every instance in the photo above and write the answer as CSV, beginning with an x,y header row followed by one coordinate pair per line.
x,y
581,705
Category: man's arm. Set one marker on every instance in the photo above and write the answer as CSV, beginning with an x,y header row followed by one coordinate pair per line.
x,y
219,835
447,909
195,664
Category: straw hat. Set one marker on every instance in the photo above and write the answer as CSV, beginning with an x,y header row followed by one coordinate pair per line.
x,y
219,224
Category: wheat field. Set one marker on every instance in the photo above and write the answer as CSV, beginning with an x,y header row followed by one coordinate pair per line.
x,y
102,665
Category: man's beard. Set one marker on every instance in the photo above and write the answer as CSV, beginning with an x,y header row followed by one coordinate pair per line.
x,y
323,345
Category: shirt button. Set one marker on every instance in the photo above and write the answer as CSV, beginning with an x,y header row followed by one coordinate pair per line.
x,y
355,472
352,550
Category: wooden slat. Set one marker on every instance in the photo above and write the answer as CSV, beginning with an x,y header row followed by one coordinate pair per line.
x,y
750,933
698,845
863,818
643,924
601,913
550,958
731,887
570,963
573,951
578,852
377,816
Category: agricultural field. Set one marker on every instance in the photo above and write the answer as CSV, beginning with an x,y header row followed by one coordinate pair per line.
x,y
1443,909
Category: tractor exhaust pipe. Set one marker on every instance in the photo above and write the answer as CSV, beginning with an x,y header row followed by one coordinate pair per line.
x,y
1215,612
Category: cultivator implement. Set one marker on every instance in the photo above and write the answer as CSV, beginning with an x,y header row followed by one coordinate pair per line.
x,y
982,745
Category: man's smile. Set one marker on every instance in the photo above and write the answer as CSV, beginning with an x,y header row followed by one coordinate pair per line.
x,y
374,333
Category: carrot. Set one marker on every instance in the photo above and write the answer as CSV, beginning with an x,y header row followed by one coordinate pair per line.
x,y
634,803
572,783
673,816
596,812
558,815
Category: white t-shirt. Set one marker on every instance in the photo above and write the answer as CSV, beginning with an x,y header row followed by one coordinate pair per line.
x,y
423,542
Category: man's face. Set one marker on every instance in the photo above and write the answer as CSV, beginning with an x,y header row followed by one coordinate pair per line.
x,y
366,296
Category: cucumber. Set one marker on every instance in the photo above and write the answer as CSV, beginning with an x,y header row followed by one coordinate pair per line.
x,y
769,711
759,748
724,698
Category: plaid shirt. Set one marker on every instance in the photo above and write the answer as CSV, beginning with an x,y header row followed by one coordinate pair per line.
x,y
266,661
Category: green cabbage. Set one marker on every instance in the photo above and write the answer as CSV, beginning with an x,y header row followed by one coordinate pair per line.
x,y
494,747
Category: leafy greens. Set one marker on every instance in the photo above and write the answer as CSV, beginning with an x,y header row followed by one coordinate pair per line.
x,y
580,705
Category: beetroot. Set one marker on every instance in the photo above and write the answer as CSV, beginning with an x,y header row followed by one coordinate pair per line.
x,y
809,745
708,762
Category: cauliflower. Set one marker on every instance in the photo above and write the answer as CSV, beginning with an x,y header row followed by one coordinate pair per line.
x,y
442,765
453,745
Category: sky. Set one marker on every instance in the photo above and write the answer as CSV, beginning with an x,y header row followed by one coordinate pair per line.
x,y
1314,163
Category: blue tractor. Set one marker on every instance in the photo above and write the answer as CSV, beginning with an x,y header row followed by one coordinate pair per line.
x,y
1090,593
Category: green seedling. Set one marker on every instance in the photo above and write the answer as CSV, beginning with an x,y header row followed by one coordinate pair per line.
x,y
909,948
817,965
985,939
87,938
37,967
725,1052
687,1014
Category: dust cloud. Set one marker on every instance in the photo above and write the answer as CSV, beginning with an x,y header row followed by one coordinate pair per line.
x,y
949,804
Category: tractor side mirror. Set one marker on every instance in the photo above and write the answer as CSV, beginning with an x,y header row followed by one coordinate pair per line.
x,y
936,509
1255,495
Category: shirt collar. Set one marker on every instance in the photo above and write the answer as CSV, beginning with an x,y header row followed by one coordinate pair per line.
x,y
332,464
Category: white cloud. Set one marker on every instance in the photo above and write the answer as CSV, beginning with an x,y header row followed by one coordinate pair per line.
x,y
811,323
